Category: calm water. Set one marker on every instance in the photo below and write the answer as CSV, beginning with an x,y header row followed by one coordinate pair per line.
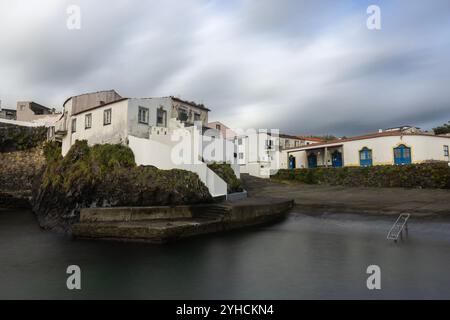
x,y
301,257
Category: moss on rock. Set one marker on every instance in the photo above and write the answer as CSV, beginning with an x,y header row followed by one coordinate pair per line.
x,y
224,171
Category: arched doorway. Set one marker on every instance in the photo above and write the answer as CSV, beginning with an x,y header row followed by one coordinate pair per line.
x,y
365,157
291,162
402,155
312,160
336,159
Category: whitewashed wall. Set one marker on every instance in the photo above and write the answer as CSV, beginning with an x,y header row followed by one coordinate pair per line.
x,y
141,130
114,133
423,148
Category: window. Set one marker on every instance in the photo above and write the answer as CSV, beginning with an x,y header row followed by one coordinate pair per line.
x,y
182,115
240,141
241,155
402,155
269,144
88,121
365,157
143,115
197,117
218,127
74,125
445,151
107,114
161,118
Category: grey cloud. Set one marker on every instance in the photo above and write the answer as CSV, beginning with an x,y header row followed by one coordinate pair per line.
x,y
301,66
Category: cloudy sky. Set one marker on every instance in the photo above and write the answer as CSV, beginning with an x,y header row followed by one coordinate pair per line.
x,y
306,67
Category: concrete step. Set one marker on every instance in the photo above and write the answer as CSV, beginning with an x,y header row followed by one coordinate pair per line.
x,y
157,231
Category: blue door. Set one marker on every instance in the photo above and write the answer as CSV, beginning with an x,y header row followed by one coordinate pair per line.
x,y
402,155
336,159
312,160
365,157
291,162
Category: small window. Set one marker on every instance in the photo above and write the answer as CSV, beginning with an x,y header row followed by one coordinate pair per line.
x,y
182,115
241,155
445,151
107,114
197,117
240,141
218,127
74,125
161,118
143,115
88,121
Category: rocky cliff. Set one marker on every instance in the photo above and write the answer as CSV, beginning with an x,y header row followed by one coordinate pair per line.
x,y
105,176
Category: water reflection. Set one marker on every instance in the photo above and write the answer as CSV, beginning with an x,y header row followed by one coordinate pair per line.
x,y
301,257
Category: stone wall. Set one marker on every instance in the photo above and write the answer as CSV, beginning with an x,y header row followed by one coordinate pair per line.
x,y
426,175
17,172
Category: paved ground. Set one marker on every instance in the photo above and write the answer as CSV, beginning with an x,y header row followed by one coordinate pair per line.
x,y
316,198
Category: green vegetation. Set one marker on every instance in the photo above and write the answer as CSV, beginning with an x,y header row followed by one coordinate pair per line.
x,y
427,175
17,138
445,128
225,171
106,175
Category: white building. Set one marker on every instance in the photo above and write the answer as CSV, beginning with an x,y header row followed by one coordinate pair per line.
x,y
224,130
392,147
146,126
258,152
290,141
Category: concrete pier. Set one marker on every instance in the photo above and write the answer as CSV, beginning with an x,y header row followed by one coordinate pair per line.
x,y
166,224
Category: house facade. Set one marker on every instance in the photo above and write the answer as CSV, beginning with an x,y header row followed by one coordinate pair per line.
x,y
393,147
8,114
188,112
289,141
29,111
148,127
258,152
224,131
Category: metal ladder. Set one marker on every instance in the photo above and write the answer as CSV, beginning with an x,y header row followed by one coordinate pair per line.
x,y
397,229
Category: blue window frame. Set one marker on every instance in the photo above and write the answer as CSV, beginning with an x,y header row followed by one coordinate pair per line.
x,y
365,157
336,159
402,155
312,160
291,162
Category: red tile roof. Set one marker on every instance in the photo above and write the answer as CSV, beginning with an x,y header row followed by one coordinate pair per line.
x,y
311,138
366,136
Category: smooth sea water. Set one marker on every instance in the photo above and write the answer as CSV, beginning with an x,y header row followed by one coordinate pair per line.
x,y
301,257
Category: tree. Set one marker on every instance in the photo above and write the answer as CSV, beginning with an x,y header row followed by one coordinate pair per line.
x,y
445,128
